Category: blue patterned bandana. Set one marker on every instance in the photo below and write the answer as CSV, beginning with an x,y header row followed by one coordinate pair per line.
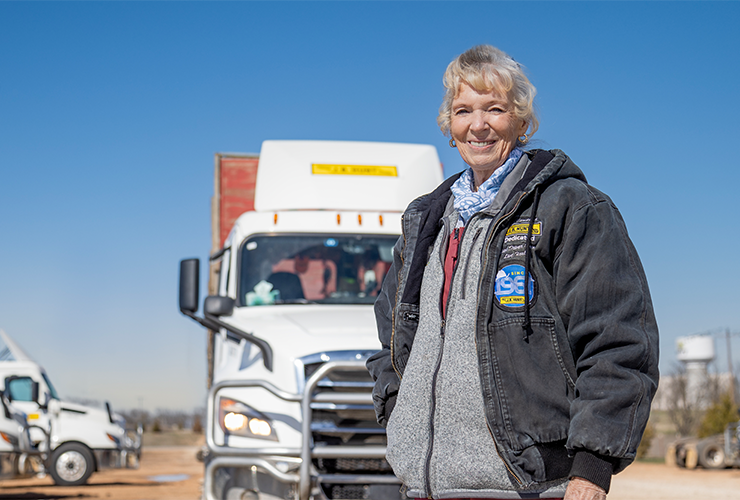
x,y
469,202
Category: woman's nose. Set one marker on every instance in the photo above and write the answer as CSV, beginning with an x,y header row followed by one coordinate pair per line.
x,y
478,122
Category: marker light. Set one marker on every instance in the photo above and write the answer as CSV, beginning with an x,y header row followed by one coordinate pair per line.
x,y
10,439
236,418
359,219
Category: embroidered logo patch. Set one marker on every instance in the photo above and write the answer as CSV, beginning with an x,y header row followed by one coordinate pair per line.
x,y
510,286
515,239
520,228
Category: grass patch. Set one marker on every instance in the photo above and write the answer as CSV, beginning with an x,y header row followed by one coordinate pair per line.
x,y
172,438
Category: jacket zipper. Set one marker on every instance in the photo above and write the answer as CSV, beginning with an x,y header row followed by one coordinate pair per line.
x,y
433,405
486,244
506,464
427,464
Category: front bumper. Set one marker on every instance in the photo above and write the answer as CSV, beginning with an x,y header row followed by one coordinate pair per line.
x,y
288,473
126,456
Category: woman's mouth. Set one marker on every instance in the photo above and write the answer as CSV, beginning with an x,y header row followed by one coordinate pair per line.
x,y
480,144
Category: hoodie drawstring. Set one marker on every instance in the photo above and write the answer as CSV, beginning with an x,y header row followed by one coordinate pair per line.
x,y
526,326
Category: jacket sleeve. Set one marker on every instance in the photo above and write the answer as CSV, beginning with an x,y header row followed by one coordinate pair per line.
x,y
380,364
605,304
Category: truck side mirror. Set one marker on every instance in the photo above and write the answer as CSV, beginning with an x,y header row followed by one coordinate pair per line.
x,y
189,285
216,305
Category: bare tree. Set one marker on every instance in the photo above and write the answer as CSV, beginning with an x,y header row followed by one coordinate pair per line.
x,y
687,403
683,412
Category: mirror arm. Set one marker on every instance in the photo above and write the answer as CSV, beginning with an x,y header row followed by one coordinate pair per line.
x,y
110,412
6,410
215,324
202,321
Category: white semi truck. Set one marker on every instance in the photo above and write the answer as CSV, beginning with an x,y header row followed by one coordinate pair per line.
x,y
75,439
290,413
19,457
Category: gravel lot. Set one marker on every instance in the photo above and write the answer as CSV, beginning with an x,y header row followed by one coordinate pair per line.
x,y
641,481
124,484
646,481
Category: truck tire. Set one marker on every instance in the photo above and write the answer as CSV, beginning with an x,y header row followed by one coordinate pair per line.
x,y
712,456
71,464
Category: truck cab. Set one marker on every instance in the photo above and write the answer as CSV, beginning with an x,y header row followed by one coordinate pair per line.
x,y
78,439
290,411
19,457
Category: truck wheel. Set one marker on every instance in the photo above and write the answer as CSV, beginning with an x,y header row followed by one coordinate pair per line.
x,y
712,456
71,464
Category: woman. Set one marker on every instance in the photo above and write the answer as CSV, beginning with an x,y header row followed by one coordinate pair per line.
x,y
520,347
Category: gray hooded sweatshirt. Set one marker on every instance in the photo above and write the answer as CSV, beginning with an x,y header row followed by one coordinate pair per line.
x,y
439,444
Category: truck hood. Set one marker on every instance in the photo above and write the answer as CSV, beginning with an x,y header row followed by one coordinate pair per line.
x,y
293,332
82,409
296,330
91,413
309,320
340,322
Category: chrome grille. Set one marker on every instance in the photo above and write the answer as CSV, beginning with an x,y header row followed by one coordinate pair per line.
x,y
342,415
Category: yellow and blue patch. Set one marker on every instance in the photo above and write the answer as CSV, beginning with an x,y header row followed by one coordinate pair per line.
x,y
509,289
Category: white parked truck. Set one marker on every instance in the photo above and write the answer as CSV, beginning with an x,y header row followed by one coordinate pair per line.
x,y
290,413
77,439
714,452
18,455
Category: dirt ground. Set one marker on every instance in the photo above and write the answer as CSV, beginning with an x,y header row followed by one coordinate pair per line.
x,y
149,482
641,481
649,481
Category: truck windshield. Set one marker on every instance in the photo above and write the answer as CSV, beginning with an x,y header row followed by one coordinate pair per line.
x,y
52,390
301,269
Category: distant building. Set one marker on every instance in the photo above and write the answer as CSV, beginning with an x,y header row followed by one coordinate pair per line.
x,y
675,386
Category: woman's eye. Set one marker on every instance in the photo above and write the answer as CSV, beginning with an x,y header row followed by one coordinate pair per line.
x,y
497,109
461,111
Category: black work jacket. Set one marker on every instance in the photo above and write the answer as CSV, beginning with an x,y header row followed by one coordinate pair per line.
x,y
568,374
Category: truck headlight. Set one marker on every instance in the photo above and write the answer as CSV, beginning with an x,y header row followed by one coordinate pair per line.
x,y
236,418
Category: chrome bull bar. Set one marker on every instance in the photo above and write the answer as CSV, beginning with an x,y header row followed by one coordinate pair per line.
x,y
225,456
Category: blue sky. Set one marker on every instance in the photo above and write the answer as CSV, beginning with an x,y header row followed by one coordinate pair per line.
x,y
110,114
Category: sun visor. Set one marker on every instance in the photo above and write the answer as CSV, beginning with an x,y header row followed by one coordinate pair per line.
x,y
340,175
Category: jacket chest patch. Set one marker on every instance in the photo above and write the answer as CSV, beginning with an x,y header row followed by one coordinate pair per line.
x,y
515,240
510,287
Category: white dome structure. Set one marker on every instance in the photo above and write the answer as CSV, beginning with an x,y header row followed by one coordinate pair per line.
x,y
696,348
696,352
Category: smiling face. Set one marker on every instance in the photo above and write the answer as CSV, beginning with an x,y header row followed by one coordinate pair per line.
x,y
485,129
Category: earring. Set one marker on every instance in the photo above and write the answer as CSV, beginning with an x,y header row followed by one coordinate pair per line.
x,y
452,143
523,139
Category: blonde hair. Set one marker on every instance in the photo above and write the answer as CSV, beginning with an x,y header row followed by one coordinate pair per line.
x,y
486,68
